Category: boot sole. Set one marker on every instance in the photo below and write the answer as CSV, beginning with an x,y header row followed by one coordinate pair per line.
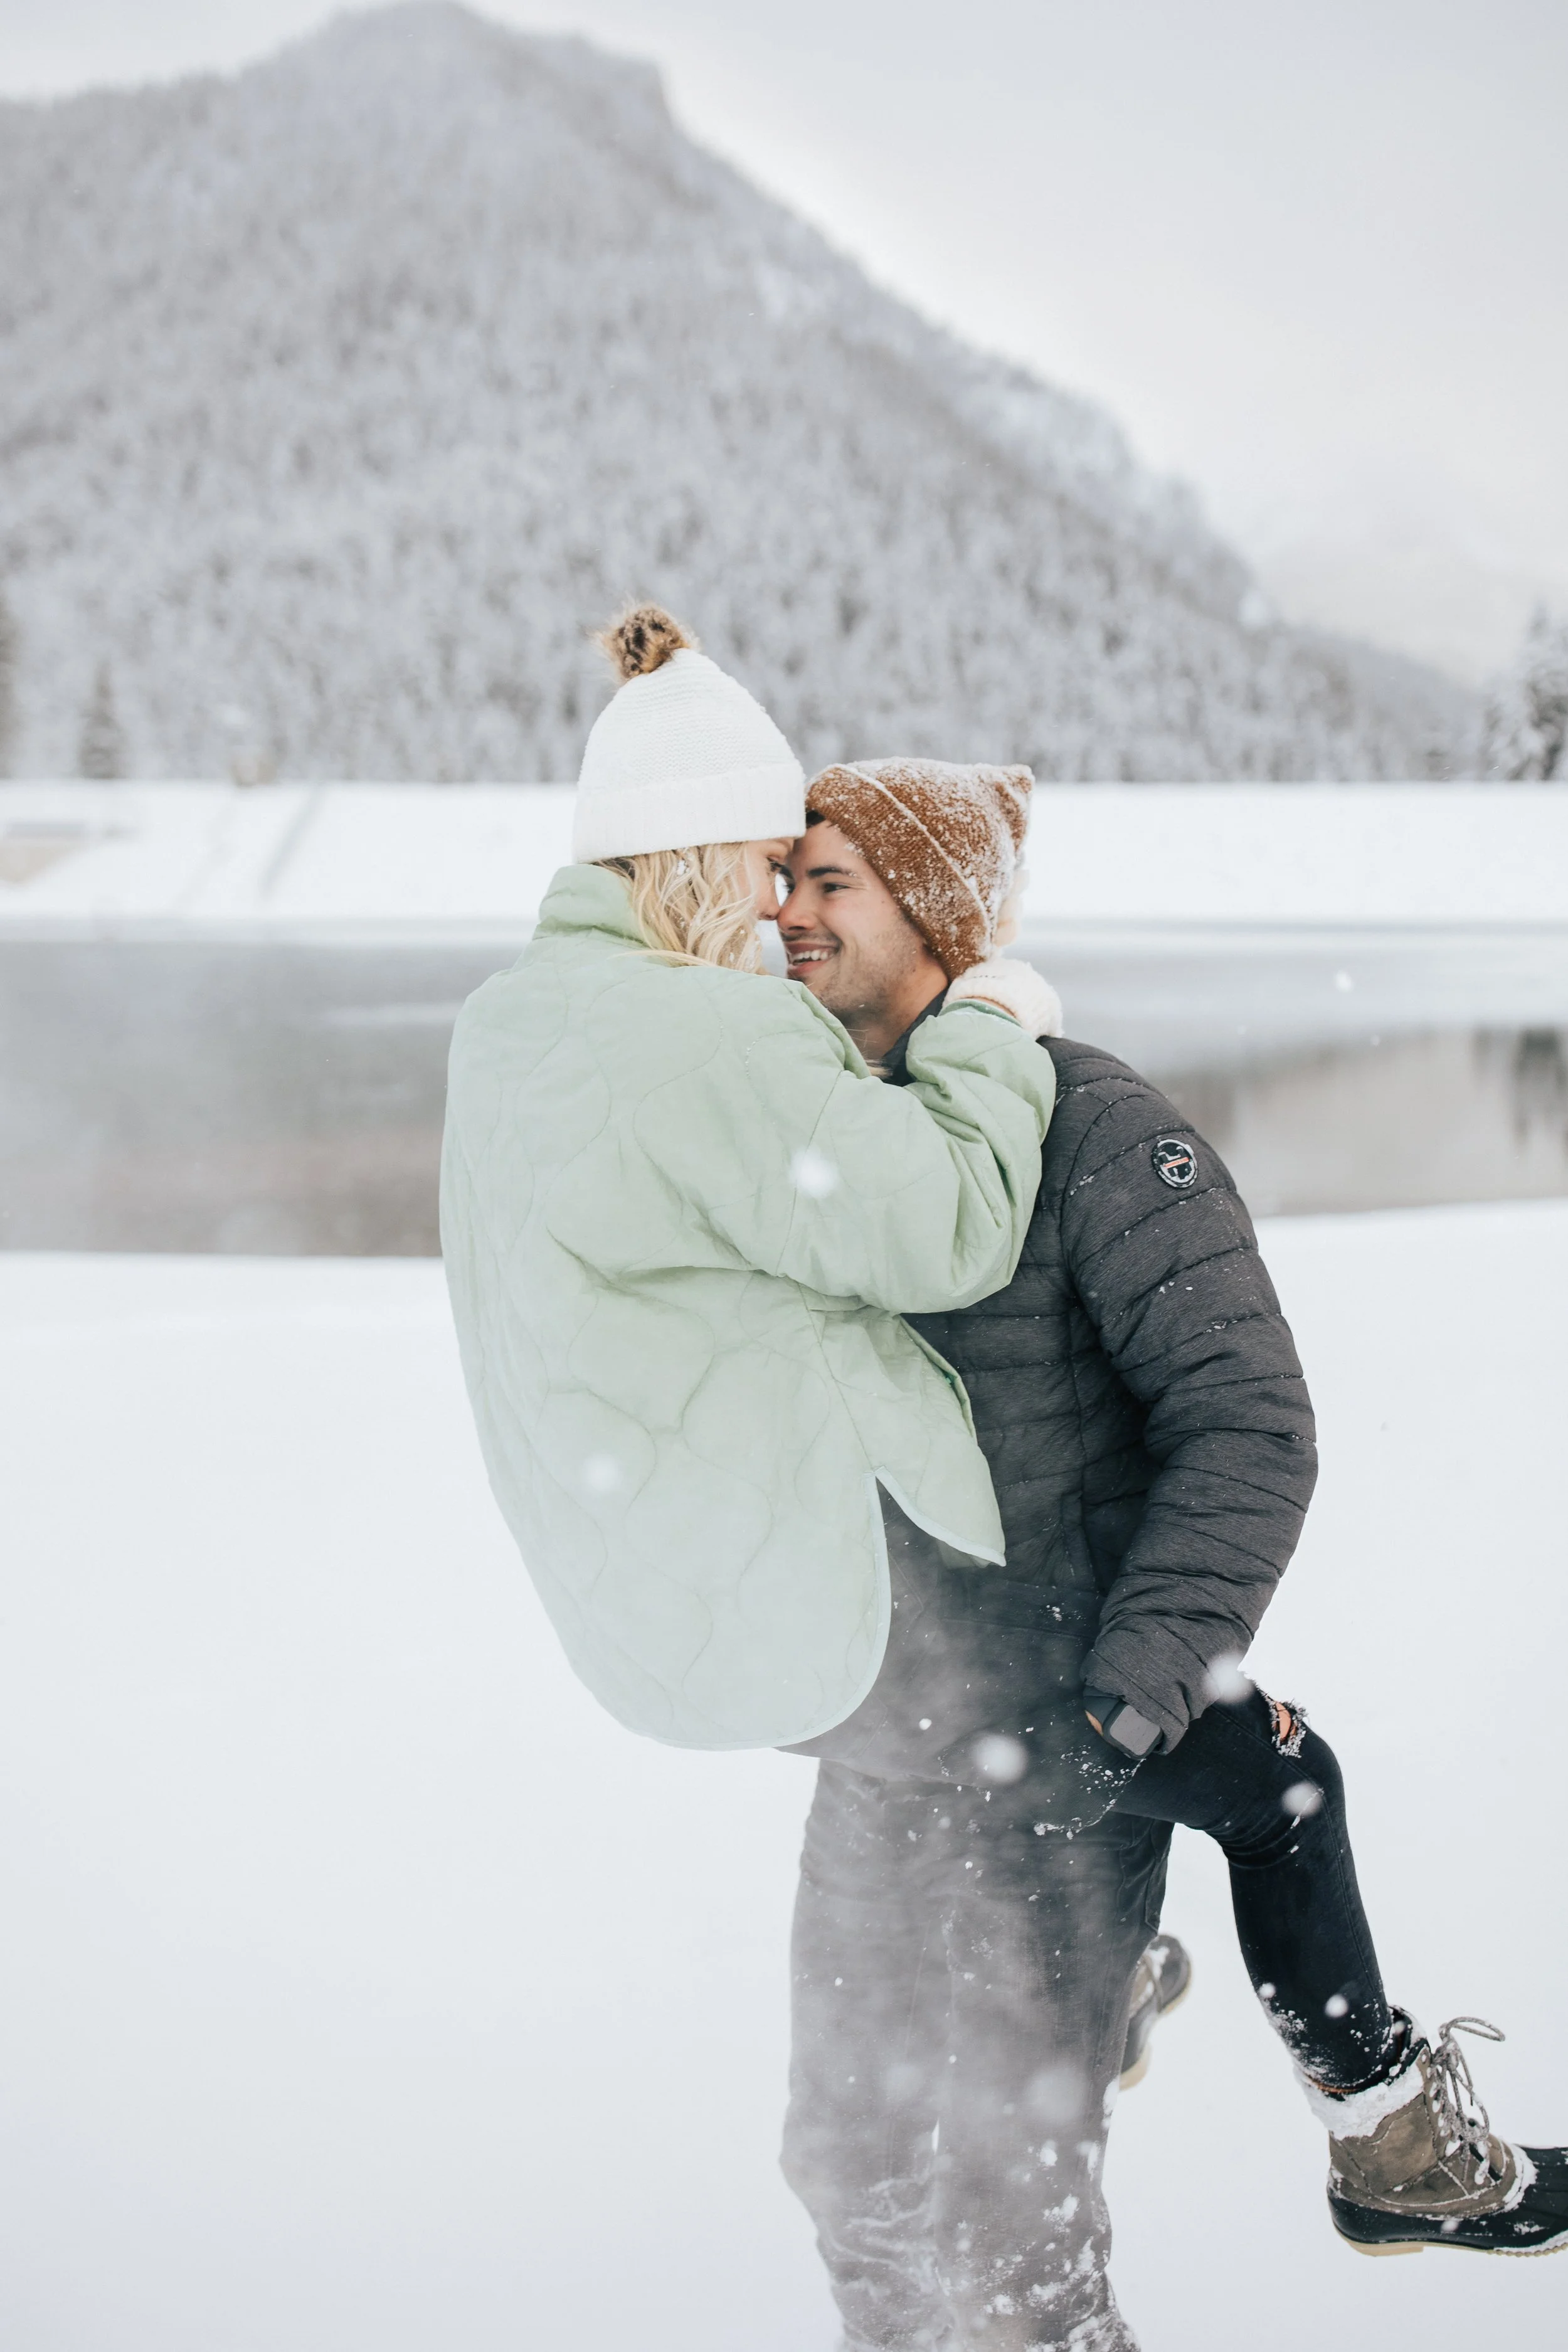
x,y
1421,2245
1135,2074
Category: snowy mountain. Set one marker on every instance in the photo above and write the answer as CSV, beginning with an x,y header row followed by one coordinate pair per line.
x,y
339,398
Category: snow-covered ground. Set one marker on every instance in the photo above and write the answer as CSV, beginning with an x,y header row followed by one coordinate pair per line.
x,y
355,859
362,1986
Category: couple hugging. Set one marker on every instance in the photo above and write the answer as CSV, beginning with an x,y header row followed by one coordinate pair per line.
x,y
865,1369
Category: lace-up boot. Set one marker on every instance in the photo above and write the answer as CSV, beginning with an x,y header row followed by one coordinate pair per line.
x,y
1414,2160
1161,1981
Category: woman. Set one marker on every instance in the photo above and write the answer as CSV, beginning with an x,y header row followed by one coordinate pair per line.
x,y
682,1223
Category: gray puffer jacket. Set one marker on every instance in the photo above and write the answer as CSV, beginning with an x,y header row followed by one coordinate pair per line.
x,y
1138,1395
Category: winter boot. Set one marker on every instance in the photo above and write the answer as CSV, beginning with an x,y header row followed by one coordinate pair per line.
x,y
1160,1982
1415,2162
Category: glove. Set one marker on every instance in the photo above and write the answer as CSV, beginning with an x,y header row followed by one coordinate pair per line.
x,y
1121,1724
1009,985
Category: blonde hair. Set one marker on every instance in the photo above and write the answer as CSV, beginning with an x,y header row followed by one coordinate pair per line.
x,y
695,906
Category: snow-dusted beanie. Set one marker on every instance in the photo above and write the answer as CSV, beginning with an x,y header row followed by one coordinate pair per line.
x,y
682,755
945,840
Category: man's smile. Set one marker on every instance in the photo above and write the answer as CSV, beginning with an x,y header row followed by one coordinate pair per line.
x,y
796,954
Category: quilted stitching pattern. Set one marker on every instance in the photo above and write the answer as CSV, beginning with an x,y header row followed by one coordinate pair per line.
x,y
680,1221
1138,1397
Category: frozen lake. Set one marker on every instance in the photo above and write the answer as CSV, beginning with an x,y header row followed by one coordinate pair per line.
x,y
364,1986
255,1094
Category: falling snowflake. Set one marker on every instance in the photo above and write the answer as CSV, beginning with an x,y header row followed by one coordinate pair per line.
x,y
1225,1682
1056,2094
999,1757
810,1173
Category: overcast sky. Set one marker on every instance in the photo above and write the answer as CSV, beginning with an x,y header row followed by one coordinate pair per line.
x,y
1312,253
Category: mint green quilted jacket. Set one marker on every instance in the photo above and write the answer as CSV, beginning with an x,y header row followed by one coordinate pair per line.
x,y
680,1222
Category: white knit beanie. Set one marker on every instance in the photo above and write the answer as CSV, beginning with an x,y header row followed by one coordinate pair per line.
x,y
682,755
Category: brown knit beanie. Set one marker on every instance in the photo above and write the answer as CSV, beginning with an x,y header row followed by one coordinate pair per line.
x,y
945,840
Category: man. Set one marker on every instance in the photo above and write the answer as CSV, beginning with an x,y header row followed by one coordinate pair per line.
x,y
985,1856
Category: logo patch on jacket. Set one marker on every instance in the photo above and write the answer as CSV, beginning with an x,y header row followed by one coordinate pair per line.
x,y
1175,1163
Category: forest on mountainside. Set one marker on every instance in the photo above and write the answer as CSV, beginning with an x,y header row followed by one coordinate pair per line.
x,y
341,398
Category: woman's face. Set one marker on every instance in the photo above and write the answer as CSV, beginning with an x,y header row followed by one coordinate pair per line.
x,y
765,871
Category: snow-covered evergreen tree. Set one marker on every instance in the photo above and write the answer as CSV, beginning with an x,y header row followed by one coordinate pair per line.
x,y
1527,711
354,390
100,747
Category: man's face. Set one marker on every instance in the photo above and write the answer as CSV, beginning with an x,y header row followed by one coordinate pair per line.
x,y
846,937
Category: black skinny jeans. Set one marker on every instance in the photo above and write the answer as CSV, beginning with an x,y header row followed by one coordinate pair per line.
x,y
965,1658
1280,1821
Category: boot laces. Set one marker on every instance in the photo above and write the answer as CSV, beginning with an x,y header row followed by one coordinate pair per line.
x,y
1462,2121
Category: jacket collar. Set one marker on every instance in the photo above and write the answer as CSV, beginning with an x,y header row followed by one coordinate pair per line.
x,y
894,1064
588,898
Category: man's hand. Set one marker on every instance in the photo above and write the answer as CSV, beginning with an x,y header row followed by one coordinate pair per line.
x,y
1120,1725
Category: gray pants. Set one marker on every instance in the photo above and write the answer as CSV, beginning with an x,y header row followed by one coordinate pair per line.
x,y
961,1988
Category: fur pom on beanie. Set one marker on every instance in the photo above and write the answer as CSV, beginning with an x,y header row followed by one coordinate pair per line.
x,y
682,755
945,840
